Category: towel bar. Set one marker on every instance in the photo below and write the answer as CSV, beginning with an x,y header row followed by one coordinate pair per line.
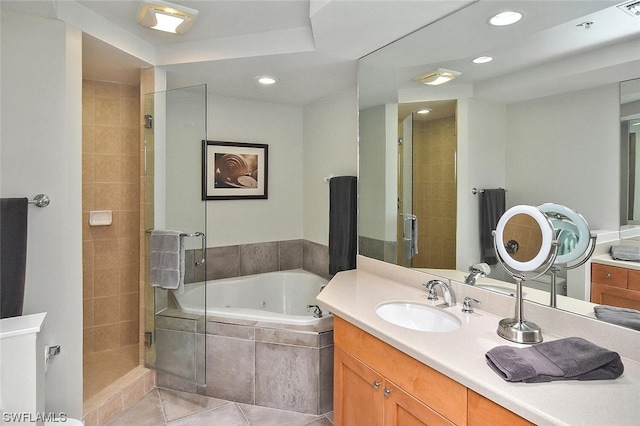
x,y
474,191
193,234
40,200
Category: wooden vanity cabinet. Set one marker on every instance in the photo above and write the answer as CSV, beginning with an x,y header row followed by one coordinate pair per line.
x,y
378,385
615,286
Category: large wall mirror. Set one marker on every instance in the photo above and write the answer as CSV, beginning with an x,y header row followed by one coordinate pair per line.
x,y
541,120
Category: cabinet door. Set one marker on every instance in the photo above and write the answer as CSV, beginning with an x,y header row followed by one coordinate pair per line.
x,y
357,399
613,296
401,409
485,412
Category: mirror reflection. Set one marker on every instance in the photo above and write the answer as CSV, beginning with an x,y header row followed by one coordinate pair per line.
x,y
522,237
542,119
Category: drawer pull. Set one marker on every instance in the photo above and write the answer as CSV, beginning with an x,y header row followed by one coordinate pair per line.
x,y
376,384
387,391
607,275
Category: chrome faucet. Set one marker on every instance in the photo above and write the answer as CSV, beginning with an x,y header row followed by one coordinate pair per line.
x,y
447,291
474,275
317,312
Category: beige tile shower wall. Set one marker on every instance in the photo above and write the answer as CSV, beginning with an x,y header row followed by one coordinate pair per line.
x,y
434,192
111,181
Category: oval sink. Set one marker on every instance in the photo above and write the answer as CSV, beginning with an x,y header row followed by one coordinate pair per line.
x,y
418,317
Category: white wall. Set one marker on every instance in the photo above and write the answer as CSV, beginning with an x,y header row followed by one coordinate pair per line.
x,y
231,222
330,149
480,164
41,153
378,172
566,149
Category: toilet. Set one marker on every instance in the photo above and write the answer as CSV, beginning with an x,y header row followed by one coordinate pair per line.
x,y
22,370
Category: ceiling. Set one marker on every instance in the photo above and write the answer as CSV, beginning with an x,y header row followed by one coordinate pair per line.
x,y
312,46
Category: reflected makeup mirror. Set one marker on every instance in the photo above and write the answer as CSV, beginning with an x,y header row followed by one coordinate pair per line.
x,y
575,242
526,248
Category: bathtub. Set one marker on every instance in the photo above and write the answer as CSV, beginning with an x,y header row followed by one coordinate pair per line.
x,y
276,297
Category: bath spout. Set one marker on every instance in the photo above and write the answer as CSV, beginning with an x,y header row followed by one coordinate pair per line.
x,y
317,312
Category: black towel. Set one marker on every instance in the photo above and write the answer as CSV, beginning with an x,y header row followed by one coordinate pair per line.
x,y
571,358
492,207
343,227
13,255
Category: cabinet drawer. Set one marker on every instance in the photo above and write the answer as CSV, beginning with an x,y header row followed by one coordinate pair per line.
x,y
609,275
613,296
634,281
421,381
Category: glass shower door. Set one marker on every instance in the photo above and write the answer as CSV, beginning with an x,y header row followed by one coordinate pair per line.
x,y
175,126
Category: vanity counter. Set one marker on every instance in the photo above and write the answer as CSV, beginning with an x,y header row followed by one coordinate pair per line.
x,y
460,354
606,259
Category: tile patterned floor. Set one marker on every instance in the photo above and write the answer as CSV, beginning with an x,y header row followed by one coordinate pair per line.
x,y
164,407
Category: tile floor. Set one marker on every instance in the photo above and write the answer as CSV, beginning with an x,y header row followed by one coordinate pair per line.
x,y
164,407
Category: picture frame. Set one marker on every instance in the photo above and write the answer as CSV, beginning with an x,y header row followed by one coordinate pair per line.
x,y
234,170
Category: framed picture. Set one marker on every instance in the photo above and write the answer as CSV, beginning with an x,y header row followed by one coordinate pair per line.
x,y
234,170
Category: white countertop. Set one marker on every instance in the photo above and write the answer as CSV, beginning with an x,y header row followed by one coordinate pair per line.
x,y
460,354
606,259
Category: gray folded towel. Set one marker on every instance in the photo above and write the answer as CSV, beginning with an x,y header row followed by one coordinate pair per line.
x,y
167,260
625,317
571,358
627,253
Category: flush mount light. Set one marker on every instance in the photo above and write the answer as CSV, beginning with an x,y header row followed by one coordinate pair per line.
x,y
424,111
482,59
438,77
164,16
267,80
505,18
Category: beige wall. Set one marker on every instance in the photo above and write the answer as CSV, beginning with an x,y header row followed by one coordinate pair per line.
x,y
434,192
111,181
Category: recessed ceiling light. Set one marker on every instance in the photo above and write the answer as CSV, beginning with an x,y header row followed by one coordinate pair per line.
x,y
438,77
267,80
167,17
505,18
482,59
424,111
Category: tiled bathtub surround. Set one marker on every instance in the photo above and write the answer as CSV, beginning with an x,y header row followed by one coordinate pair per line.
x,y
257,258
270,365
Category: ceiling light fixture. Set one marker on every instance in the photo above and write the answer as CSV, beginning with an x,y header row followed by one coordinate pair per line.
x,y
424,111
482,59
505,18
164,16
267,80
438,77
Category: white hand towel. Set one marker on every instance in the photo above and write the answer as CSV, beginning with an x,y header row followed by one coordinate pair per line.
x,y
167,260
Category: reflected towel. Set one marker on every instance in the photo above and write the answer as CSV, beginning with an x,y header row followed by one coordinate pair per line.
x,y
13,255
571,358
167,260
343,226
625,317
492,207
628,253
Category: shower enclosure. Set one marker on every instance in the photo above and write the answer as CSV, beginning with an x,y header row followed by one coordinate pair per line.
x,y
175,126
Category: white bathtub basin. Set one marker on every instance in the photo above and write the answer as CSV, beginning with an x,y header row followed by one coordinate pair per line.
x,y
418,317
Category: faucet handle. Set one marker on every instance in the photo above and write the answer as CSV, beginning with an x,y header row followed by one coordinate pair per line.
x,y
466,304
430,286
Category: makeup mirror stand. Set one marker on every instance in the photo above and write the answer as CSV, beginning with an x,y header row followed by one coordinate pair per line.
x,y
517,329
557,268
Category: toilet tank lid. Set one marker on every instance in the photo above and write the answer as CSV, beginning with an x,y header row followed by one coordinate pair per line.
x,y
22,325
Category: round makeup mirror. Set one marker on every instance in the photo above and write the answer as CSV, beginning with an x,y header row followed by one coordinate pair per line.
x,y
575,243
526,248
526,237
571,229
